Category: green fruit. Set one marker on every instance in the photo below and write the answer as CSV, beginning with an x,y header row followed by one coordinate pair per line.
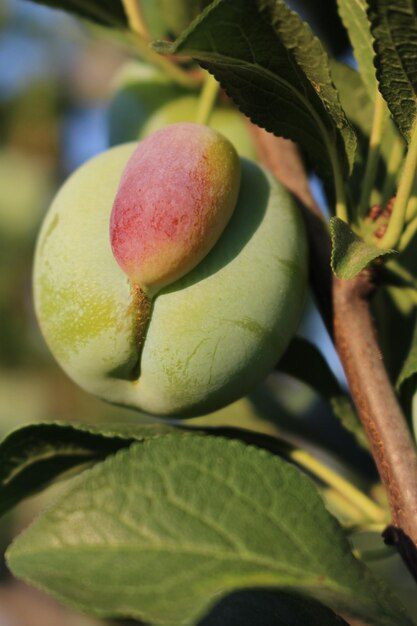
x,y
204,340
225,119
146,100
139,91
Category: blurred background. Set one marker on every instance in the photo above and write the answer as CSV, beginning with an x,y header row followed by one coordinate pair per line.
x,y
54,84
57,78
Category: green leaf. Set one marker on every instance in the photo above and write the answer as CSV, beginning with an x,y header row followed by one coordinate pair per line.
x,y
276,71
394,27
105,12
34,455
161,531
267,608
354,96
304,361
355,20
350,254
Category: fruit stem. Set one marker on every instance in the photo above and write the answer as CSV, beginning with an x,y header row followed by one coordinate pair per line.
x,y
379,120
396,223
138,39
368,507
207,99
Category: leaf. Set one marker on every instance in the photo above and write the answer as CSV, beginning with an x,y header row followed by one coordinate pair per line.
x,y
354,97
277,73
350,254
34,455
105,12
394,27
355,20
304,361
161,531
267,608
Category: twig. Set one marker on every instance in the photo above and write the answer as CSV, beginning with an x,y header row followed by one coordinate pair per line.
x,y
356,342
392,447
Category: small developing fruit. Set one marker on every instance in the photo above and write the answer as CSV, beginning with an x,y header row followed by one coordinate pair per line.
x,y
199,342
176,195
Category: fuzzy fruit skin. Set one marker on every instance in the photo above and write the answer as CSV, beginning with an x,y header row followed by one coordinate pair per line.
x,y
211,336
175,197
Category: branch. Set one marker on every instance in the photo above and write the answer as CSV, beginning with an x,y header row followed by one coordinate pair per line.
x,y
356,342
392,447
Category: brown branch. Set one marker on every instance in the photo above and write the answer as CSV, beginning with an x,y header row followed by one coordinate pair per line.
x,y
356,342
392,447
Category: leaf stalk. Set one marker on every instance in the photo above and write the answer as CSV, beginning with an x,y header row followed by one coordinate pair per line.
x,y
398,217
135,18
408,234
207,99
